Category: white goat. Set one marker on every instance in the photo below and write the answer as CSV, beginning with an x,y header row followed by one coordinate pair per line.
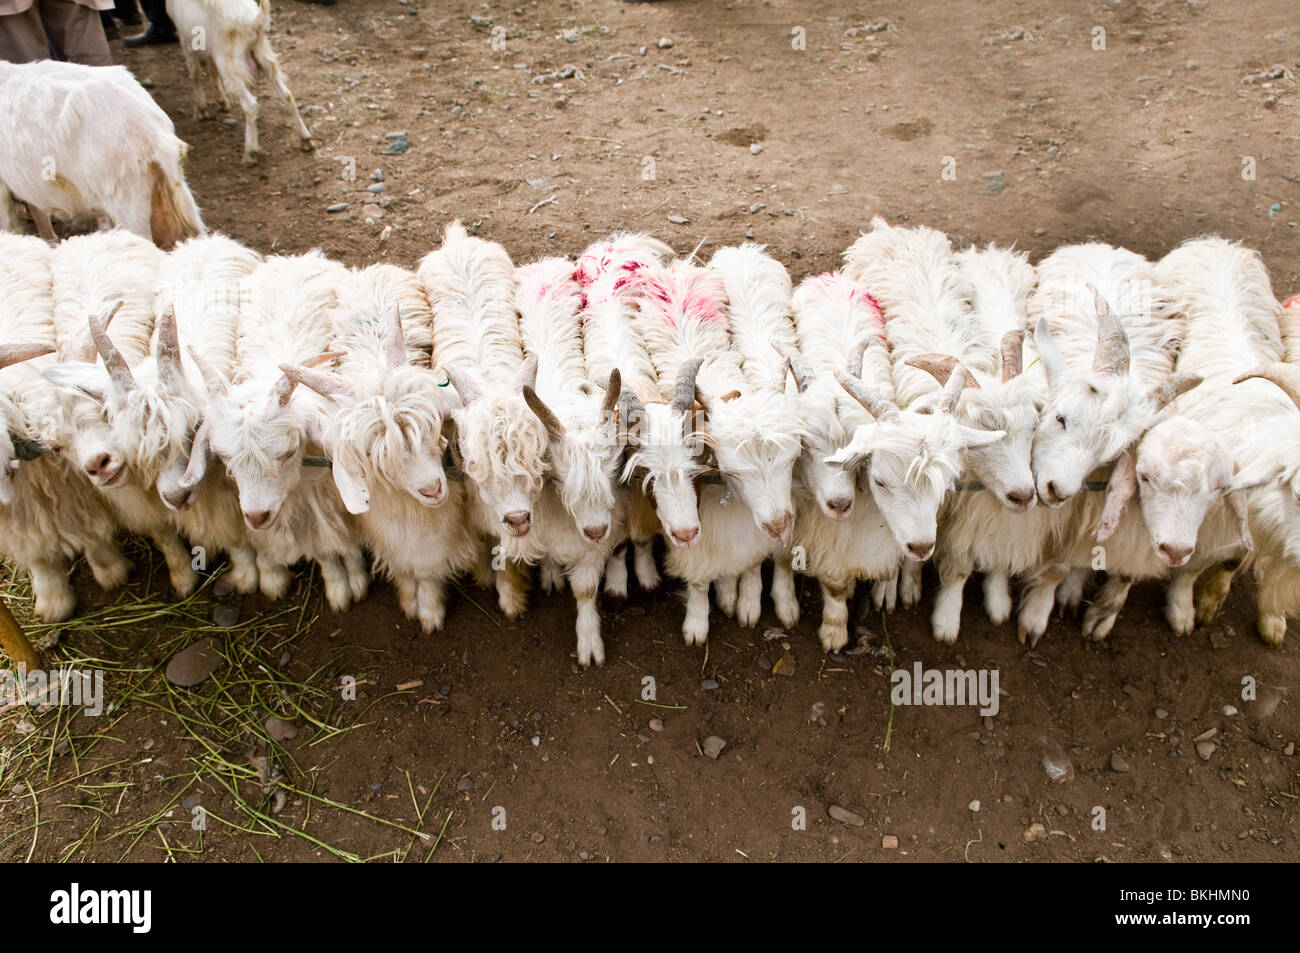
x,y
1233,335
502,445
384,434
662,466
230,37
97,278
580,517
258,425
89,140
49,514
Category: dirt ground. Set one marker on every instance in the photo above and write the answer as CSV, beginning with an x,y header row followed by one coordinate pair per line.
x,y
591,120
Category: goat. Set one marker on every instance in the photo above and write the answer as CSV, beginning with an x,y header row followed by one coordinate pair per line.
x,y
579,518
89,140
49,514
259,425
501,444
383,431
231,38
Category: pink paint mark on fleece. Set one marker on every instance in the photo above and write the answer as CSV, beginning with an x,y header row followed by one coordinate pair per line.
x,y
682,292
1291,302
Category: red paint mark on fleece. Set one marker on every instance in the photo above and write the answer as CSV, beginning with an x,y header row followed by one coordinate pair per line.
x,y
683,292
1291,302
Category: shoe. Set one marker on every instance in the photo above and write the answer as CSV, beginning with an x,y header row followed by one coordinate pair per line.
x,y
150,37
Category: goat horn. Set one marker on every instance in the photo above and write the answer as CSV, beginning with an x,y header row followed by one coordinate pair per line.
x,y
1013,348
856,358
1284,376
396,342
118,371
802,372
17,353
282,390
684,389
612,390
631,416
168,349
84,350
319,381
528,372
941,368
1112,355
877,405
322,358
544,413
1169,391
465,387
216,383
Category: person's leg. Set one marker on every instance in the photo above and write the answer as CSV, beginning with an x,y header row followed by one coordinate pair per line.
x,y
78,32
160,29
22,37
110,26
127,12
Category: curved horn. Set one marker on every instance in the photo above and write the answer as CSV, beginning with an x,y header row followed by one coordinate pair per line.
x,y
630,418
17,353
465,387
167,351
282,390
1112,355
1013,347
216,383
941,367
1285,376
118,372
684,388
612,390
396,342
197,465
528,371
877,405
855,359
1169,391
544,413
803,374
322,383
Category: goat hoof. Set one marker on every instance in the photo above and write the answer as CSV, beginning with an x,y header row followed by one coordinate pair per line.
x,y
614,603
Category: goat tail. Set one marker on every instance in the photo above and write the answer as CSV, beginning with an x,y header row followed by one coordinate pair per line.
x,y
173,215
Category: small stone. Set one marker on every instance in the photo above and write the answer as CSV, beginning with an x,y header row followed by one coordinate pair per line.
x,y
494,859
377,175
656,724
225,614
771,635
191,802
1053,151
1205,749
679,220
280,730
538,837
377,786
584,855
1229,710
993,182
195,663
713,746
458,111
1036,832
377,189
665,43
372,214
396,143
755,148
1289,750
889,842
1057,765
481,21
1118,764
655,839
1161,714
465,784
223,586
785,665
285,658
1130,691
845,816
709,684
338,207
973,807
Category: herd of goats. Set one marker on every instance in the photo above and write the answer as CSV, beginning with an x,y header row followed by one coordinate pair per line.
x,y
1034,424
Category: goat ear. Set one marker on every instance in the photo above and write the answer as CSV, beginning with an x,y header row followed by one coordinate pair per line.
x,y
1053,364
972,438
858,449
1111,357
352,489
88,379
197,467
1119,490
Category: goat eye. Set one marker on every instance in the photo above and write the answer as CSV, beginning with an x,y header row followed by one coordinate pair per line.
x,y
881,484
1146,480
1060,419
